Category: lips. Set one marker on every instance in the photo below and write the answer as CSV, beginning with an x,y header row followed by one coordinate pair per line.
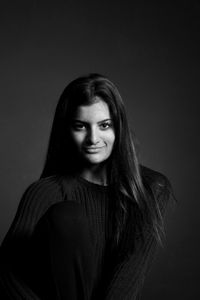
x,y
92,149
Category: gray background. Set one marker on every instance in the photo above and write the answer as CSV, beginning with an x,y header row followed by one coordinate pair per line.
x,y
151,52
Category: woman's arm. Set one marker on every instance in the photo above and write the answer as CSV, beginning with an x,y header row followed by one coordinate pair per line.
x,y
129,275
15,249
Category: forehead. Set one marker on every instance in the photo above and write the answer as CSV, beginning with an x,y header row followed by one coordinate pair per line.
x,y
94,112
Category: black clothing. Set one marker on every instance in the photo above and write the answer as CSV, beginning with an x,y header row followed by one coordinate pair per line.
x,y
58,246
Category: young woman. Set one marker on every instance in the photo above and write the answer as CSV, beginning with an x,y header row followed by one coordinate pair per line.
x,y
88,228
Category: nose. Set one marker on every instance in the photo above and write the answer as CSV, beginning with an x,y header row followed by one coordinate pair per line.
x,y
93,137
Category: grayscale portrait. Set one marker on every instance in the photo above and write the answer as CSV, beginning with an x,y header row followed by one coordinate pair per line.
x,y
99,113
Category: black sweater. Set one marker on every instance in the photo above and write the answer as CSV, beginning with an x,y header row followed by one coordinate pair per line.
x,y
127,276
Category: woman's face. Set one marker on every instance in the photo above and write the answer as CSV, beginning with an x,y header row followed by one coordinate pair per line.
x,y
92,132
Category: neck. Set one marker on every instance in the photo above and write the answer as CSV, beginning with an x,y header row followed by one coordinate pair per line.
x,y
95,174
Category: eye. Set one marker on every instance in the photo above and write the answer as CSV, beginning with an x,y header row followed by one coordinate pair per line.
x,y
78,126
105,125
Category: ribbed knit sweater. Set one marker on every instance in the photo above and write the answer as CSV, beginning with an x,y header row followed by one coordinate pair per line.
x,y
127,276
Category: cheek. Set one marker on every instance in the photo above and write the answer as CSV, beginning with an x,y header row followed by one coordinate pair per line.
x,y
77,138
111,139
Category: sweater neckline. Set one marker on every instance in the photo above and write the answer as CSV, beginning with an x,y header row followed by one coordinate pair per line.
x,y
92,184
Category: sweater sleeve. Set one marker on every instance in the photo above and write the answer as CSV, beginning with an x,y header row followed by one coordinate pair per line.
x,y
129,275
15,247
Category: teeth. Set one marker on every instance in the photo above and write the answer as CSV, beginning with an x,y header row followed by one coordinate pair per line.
x,y
92,149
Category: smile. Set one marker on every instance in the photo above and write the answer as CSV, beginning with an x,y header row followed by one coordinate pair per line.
x,y
92,149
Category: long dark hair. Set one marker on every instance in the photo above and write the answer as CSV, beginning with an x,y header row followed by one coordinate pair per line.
x,y
124,170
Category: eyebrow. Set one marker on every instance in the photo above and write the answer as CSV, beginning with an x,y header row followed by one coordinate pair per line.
x,y
83,122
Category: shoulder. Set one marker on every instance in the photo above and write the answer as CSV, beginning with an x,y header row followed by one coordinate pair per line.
x,y
156,183
41,194
37,198
154,178
44,186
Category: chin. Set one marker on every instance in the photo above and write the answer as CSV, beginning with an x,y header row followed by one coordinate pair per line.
x,y
95,160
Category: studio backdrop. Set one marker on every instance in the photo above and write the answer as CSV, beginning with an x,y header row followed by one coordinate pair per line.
x,y
151,52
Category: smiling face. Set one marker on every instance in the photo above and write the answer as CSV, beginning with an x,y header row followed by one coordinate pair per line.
x,y
92,132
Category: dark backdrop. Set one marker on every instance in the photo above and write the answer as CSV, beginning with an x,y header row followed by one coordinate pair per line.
x,y
151,52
